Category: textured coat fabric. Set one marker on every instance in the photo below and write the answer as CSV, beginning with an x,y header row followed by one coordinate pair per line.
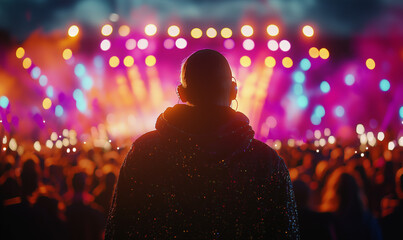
x,y
202,175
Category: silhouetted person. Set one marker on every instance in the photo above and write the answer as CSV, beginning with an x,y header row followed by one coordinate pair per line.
x,y
105,196
392,223
343,197
313,225
83,221
201,174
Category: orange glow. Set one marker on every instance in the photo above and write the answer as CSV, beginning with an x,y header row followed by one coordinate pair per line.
x,y
287,62
20,52
27,63
370,63
47,103
114,61
245,61
314,52
124,30
150,60
196,33
67,54
226,33
128,61
270,62
324,53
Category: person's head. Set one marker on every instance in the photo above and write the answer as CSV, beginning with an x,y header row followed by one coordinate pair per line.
x,y
78,181
342,193
206,80
29,177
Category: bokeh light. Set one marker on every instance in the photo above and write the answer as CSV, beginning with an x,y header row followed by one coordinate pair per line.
x,y
196,33
150,60
181,43
67,54
247,30
87,82
4,101
226,33
272,45
43,80
73,31
59,111
324,53
211,32
360,129
128,61
142,44
106,30
173,31
298,77
307,31
245,61
46,103
401,112
320,111
105,45
324,87
302,101
270,62
124,30
150,29
285,45
298,89
314,52
36,72
287,62
114,61
20,52
130,44
229,44
272,30
370,63
26,63
349,79
169,43
49,91
315,119
339,111
305,64
79,70
384,85
248,44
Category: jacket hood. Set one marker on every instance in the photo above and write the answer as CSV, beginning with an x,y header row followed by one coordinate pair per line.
x,y
217,131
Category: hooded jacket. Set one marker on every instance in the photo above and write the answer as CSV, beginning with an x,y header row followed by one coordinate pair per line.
x,y
202,175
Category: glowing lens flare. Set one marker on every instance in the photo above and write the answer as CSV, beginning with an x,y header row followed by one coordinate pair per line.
x,y
114,61
173,31
272,30
67,54
211,32
150,29
314,52
47,103
226,33
73,31
370,63
287,62
107,30
307,31
196,33
247,30
20,52
124,30
150,60
27,63
245,61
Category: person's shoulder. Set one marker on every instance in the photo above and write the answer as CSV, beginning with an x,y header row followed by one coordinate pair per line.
x,y
147,138
267,156
261,148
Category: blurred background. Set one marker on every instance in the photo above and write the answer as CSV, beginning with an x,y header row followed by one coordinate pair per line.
x,y
321,82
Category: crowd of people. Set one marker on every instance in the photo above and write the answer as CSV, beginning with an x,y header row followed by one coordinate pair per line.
x,y
341,192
